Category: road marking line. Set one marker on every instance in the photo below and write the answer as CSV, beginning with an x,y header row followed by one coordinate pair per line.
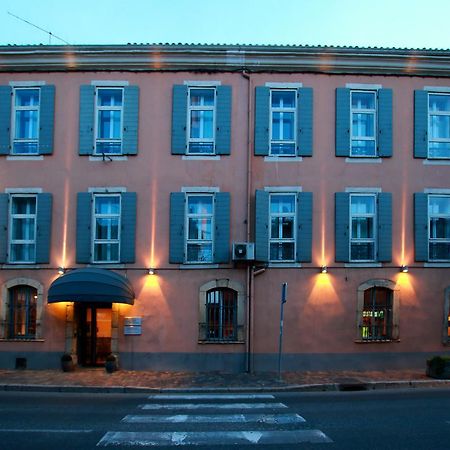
x,y
31,430
211,438
272,419
212,406
211,396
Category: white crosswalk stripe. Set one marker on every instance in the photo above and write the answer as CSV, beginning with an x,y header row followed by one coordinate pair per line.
x,y
155,406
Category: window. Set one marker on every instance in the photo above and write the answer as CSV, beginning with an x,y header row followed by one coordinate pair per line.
x,y
106,228
363,220
22,312
221,314
282,227
283,122
377,315
23,229
201,119
439,125
363,121
439,227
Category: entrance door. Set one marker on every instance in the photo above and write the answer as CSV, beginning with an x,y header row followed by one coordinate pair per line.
x,y
94,334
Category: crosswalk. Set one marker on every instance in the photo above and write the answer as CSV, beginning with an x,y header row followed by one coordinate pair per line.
x,y
210,420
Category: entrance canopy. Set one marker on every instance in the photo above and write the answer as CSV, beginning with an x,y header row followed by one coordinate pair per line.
x,y
91,285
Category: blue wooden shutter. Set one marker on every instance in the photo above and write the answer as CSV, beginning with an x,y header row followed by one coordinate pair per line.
x,y
46,119
84,225
177,219
342,122
421,226
130,120
304,226
4,215
222,228
262,120
128,227
179,119
385,227
5,119
262,226
43,228
223,120
87,108
305,122
342,226
385,122
420,124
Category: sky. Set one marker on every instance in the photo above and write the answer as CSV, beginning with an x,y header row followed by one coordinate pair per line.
x,y
363,23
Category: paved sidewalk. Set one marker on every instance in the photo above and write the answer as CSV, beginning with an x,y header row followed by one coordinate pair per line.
x,y
97,380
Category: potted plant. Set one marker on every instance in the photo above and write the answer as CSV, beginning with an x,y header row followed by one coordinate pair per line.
x,y
67,364
111,364
438,367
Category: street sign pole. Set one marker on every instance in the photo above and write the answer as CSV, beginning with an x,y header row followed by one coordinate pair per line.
x,y
280,344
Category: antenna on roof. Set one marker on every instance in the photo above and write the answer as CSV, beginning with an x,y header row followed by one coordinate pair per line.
x,y
50,34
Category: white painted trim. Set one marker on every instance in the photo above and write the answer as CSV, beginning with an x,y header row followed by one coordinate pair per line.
x,y
436,265
437,88
27,83
195,83
200,158
369,190
286,189
24,158
105,265
195,189
107,190
108,158
112,83
363,86
20,265
283,159
29,190
362,264
368,160
283,265
436,162
436,191
276,85
198,266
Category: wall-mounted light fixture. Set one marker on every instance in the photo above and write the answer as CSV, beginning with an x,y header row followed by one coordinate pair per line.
x,y
404,269
61,270
151,271
324,269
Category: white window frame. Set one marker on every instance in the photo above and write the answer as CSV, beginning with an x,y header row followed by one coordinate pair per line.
x,y
108,216
108,108
22,216
13,120
430,216
191,108
375,226
373,111
282,110
187,216
436,113
283,240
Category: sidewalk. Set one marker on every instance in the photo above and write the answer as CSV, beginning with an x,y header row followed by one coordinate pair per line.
x,y
97,380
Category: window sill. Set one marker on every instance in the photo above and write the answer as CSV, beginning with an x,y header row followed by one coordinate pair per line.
x,y
367,160
283,265
386,341
107,265
108,158
206,342
200,158
363,265
21,266
436,162
198,266
22,340
25,158
283,158
437,264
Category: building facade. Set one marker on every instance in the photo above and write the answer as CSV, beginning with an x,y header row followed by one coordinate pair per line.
x,y
155,198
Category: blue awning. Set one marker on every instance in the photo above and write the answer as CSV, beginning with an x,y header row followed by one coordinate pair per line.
x,y
91,285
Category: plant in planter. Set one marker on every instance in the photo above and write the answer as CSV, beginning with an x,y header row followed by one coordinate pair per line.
x,y
67,364
111,364
438,367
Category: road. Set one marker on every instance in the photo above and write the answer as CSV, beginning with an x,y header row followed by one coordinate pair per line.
x,y
406,419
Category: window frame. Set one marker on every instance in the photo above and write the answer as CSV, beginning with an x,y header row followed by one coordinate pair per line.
x,y
16,108
430,215
97,111
95,241
373,111
373,311
30,293
191,108
436,113
222,321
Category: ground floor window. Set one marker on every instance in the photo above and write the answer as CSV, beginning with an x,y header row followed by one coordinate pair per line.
x,y
22,312
221,314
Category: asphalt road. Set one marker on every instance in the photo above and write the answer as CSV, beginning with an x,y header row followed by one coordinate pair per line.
x,y
408,419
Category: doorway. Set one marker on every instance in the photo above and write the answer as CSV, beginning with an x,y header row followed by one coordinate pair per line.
x,y
93,333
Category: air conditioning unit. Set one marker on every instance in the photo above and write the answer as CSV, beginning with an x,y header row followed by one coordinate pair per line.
x,y
243,251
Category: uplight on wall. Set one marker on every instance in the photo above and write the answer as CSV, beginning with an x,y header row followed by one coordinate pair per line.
x,y
324,269
404,269
151,271
61,270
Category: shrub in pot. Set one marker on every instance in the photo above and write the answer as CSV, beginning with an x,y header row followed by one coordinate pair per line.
x,y
67,364
438,367
111,364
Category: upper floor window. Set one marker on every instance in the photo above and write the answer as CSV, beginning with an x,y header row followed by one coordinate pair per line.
x,y
283,122
22,312
221,315
201,119
282,227
363,123
363,227
439,125
439,227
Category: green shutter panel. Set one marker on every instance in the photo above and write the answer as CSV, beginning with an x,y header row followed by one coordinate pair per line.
x,y
305,122
84,225
223,120
130,120
46,119
128,227
342,227
421,226
262,226
304,226
179,119
262,120
4,214
222,228
342,122
177,218
5,120
420,124
385,123
87,108
385,227
43,228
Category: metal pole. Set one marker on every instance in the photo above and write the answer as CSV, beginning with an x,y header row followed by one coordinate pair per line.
x,y
280,343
